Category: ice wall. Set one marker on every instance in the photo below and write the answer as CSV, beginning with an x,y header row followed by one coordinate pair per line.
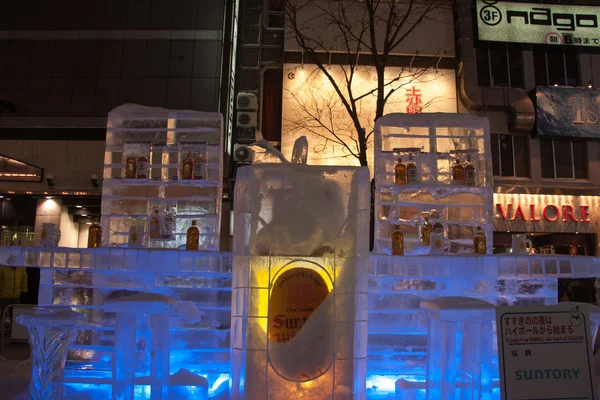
x,y
435,142
397,342
146,157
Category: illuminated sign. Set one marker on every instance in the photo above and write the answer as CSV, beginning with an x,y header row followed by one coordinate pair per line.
x,y
545,213
502,21
550,213
567,112
312,108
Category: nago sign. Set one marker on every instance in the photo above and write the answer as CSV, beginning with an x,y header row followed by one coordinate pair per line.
x,y
503,21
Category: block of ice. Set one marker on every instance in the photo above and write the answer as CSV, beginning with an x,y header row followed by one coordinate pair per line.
x,y
299,282
449,186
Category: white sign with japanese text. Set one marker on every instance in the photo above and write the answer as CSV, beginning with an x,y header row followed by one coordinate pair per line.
x,y
545,352
553,24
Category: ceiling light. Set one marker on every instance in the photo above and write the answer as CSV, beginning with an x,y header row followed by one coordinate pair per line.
x,y
48,197
78,206
84,215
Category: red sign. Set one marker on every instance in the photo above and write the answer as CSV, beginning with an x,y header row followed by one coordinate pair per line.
x,y
414,101
550,213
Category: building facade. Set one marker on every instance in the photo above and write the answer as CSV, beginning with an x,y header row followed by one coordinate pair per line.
x,y
62,69
533,68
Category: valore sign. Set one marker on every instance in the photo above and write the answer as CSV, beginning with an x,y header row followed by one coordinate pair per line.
x,y
503,21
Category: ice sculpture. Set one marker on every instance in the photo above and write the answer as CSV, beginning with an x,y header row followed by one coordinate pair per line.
x,y
460,348
448,187
162,169
300,282
51,331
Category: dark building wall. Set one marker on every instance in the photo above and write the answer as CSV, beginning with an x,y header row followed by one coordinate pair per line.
x,y
81,59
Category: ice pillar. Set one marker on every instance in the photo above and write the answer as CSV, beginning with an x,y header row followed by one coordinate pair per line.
x,y
299,320
51,330
460,348
127,311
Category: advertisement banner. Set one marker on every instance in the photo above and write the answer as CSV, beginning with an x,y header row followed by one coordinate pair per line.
x,y
545,352
568,112
503,21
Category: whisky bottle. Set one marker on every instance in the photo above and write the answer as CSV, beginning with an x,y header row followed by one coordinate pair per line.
x,y
95,235
187,170
198,167
426,232
479,242
469,172
437,240
167,224
295,296
130,167
411,170
397,242
458,172
155,226
400,172
192,237
142,168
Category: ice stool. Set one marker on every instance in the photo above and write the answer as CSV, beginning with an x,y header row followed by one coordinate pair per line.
x,y
127,311
51,331
460,348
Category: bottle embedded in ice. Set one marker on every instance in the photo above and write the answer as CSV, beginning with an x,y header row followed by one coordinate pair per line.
x,y
293,334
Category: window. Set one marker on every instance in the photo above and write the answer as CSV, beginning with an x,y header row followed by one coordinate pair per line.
x,y
563,159
556,66
500,65
510,155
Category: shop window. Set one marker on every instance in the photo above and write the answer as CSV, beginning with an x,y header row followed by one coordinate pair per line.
x,y
556,66
510,155
563,159
500,65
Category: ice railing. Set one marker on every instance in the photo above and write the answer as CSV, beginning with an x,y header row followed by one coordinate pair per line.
x,y
156,260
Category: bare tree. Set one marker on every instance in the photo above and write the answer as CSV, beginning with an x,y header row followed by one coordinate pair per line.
x,y
340,38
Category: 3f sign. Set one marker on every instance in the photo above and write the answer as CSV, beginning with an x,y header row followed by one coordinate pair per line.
x,y
490,15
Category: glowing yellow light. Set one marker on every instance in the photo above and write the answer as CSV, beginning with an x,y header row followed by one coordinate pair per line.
x,y
262,278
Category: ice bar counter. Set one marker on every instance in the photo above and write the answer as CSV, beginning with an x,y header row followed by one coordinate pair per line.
x,y
300,308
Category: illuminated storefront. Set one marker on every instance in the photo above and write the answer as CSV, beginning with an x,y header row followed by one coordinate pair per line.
x,y
555,224
311,106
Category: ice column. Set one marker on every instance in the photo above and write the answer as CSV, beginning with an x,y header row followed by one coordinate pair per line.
x,y
51,330
460,348
127,311
299,320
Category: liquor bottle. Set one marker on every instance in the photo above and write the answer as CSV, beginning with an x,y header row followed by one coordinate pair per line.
x,y
437,241
296,294
130,167
142,168
155,226
458,172
426,229
167,224
469,172
479,243
192,237
436,216
95,235
400,172
198,167
411,170
187,170
397,242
